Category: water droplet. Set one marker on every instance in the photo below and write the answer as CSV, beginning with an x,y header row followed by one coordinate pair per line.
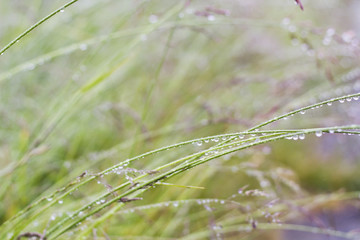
x,y
199,143
153,18
62,10
348,99
304,47
83,47
329,103
9,235
331,131
206,140
302,136
264,184
224,138
318,133
292,28
49,199
295,42
211,18
356,98
286,21
326,41
310,52
175,204
215,139
330,32
295,137
342,100
60,201
302,112
241,136
30,66
143,37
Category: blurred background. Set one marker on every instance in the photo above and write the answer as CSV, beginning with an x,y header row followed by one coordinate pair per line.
x,y
103,81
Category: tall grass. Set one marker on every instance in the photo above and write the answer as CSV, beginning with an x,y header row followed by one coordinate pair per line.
x,y
177,120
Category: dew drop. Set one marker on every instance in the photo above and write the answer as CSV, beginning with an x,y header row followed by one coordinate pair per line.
x,y
143,37
330,32
295,42
153,19
83,47
318,133
215,139
348,99
199,143
285,21
30,66
211,18
241,136
329,103
304,47
62,10
302,136
49,199
342,100
295,137
60,201
326,41
331,131
302,112
292,28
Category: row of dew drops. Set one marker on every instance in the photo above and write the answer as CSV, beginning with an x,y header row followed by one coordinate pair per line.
x,y
295,137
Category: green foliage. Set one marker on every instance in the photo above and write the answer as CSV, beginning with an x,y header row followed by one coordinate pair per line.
x,y
176,120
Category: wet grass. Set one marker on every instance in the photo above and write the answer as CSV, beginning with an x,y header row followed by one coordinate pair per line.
x,y
170,120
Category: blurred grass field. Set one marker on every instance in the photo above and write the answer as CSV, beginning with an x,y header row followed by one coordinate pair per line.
x,y
102,82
